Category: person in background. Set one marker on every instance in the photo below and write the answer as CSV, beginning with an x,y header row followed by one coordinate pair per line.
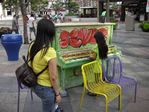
x,y
41,54
15,25
103,16
31,22
47,17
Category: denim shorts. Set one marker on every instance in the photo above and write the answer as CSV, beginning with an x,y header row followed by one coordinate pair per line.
x,y
47,96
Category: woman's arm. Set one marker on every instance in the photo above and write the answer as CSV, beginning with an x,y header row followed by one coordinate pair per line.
x,y
54,78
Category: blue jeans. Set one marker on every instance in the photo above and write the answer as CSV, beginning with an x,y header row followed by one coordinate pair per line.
x,y
47,96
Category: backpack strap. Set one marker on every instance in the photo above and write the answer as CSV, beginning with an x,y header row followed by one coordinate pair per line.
x,y
42,71
26,61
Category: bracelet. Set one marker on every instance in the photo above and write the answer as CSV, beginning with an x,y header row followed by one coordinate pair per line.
x,y
58,94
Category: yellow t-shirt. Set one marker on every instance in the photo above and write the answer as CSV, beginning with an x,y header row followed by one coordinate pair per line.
x,y
39,63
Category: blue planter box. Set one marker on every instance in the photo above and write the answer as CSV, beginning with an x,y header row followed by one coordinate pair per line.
x,y
12,44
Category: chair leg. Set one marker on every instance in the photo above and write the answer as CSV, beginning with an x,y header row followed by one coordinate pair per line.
x,y
135,96
107,105
31,95
18,104
82,98
120,102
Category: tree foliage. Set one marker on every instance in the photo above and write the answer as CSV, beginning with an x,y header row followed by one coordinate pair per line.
x,y
57,5
11,4
37,5
72,6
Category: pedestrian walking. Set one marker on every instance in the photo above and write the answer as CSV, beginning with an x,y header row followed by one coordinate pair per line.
x,y
42,54
31,24
15,25
103,16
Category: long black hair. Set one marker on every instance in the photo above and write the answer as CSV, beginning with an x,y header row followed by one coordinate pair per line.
x,y
45,34
102,46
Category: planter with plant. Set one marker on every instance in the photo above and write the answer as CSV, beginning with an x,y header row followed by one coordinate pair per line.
x,y
145,26
5,30
113,20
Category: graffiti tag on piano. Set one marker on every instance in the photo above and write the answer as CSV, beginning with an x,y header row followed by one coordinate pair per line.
x,y
80,37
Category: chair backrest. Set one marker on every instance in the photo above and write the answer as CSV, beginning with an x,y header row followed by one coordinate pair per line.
x,y
92,73
112,69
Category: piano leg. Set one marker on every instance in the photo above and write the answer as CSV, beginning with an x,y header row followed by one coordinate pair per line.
x,y
62,83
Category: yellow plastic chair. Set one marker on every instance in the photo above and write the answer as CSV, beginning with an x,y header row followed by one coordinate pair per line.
x,y
93,82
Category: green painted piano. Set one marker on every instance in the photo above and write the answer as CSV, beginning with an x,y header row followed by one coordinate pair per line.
x,y
73,44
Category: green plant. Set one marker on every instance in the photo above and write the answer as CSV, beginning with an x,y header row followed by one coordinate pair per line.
x,y
145,26
5,30
115,26
113,20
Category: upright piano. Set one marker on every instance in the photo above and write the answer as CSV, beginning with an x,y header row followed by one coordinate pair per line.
x,y
74,43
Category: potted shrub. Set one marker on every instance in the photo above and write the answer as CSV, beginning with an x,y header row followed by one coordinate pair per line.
x,y
113,20
145,26
5,30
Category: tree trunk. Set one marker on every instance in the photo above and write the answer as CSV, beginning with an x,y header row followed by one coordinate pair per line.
x,y
24,17
17,9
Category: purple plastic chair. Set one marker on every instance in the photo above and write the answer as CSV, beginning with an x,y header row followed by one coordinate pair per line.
x,y
20,86
112,72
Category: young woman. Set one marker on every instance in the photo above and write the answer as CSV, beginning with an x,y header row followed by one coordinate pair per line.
x,y
42,54
99,53
101,48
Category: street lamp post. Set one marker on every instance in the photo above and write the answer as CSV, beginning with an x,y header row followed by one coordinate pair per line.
x,y
107,10
99,8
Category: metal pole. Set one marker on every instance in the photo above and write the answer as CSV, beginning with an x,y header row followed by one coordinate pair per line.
x,y
148,16
107,10
97,10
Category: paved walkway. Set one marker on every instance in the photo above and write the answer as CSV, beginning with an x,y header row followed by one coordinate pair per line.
x,y
135,50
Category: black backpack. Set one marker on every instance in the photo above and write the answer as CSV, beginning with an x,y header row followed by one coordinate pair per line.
x,y
25,74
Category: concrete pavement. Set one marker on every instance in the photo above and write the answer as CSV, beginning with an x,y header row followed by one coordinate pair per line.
x,y
135,58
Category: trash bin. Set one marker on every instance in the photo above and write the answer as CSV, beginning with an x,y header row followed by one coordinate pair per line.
x,y
129,23
12,44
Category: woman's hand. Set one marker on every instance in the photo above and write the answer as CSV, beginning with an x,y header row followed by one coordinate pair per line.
x,y
92,55
58,98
